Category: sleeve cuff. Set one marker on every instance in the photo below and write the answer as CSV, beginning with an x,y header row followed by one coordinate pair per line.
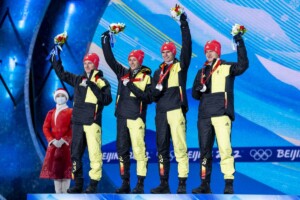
x,y
67,143
50,142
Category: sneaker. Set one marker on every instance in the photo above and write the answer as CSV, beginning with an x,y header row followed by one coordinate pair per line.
x,y
181,186
228,186
163,188
92,188
77,188
139,188
204,188
125,188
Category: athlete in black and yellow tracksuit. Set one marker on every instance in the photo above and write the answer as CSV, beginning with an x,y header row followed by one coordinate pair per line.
x,y
131,108
169,93
216,113
91,94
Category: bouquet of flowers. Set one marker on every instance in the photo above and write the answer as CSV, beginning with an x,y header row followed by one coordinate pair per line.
x,y
59,41
176,12
116,28
61,38
237,28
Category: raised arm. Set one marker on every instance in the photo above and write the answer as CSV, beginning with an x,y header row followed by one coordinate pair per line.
x,y
243,63
186,49
118,69
65,76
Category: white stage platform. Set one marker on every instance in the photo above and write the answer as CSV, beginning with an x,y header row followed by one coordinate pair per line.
x,y
158,197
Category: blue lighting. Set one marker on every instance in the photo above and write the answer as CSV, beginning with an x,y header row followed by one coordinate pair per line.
x,y
21,23
71,10
12,63
24,14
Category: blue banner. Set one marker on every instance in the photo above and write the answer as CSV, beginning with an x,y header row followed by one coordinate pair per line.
x,y
240,154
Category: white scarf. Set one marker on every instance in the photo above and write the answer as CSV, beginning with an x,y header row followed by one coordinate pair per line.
x,y
170,62
59,108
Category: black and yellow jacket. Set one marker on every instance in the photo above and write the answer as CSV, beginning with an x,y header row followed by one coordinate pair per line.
x,y
218,99
90,98
132,100
173,95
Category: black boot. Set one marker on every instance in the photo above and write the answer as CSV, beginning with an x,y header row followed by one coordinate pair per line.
x,y
139,188
92,188
163,187
125,188
181,186
77,188
204,188
228,186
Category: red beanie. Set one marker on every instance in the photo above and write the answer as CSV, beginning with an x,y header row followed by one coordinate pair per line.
x,y
94,58
138,54
169,46
60,91
213,45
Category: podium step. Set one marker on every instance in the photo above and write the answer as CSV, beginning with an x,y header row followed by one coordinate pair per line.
x,y
157,196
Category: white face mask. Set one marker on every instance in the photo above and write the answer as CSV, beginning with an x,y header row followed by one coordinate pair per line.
x,y
61,100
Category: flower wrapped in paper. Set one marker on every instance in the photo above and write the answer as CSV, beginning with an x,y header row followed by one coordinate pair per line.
x,y
116,28
238,29
59,41
176,12
61,38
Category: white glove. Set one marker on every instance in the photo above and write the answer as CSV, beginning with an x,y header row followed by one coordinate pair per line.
x,y
62,141
159,87
83,83
56,143
125,81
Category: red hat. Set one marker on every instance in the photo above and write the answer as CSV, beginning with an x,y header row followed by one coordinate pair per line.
x,y
213,45
61,91
138,54
94,58
169,46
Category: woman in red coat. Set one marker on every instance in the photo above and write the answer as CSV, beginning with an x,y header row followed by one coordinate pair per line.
x,y
57,129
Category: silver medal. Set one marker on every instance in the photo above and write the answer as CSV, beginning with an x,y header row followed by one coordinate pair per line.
x,y
203,88
159,87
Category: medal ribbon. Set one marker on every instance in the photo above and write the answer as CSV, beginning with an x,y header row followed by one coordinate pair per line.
x,y
217,64
126,76
162,75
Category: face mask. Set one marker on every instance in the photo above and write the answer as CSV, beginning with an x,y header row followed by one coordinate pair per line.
x,y
61,100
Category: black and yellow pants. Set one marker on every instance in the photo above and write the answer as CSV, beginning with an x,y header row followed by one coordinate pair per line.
x,y
87,136
208,129
171,124
131,133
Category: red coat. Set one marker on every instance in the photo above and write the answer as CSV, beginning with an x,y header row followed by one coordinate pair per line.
x,y
57,163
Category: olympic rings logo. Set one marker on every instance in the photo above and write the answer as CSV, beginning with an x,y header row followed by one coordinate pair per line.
x,y
261,154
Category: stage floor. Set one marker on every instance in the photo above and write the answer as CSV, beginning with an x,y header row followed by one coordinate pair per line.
x,y
157,197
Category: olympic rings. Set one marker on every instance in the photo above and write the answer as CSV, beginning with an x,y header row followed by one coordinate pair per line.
x,y
261,154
